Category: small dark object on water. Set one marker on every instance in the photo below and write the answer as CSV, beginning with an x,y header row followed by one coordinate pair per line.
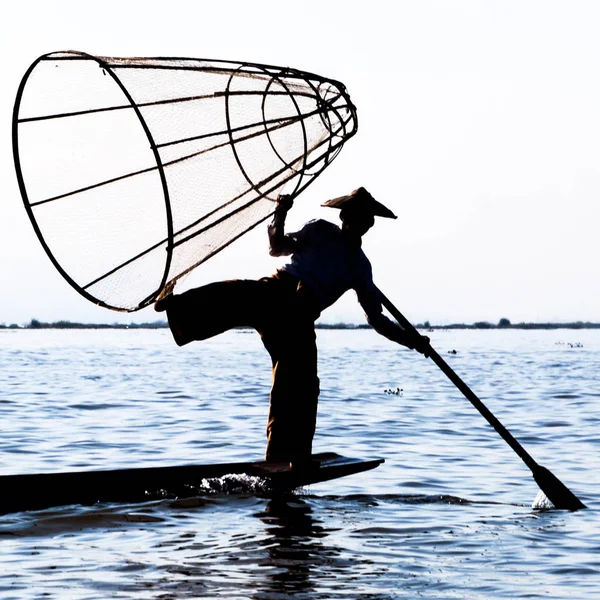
x,y
570,344
396,392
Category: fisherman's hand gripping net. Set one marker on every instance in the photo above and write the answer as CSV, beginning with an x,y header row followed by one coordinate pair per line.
x,y
136,170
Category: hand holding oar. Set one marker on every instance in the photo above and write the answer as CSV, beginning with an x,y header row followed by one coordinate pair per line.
x,y
556,491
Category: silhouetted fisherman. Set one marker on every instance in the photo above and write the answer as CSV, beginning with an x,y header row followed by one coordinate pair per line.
x,y
326,261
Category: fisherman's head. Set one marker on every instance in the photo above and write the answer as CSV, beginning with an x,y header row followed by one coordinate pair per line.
x,y
356,219
358,211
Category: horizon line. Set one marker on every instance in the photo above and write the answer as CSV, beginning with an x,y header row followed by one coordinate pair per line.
x,y
162,324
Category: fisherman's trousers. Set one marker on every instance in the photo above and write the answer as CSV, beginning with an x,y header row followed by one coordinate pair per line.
x,y
283,311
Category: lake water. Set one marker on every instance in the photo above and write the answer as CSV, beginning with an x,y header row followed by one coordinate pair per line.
x,y
447,516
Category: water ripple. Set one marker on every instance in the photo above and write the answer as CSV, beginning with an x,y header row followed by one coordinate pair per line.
x,y
446,516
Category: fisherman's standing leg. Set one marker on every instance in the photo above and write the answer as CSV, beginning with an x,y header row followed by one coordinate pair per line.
x,y
295,389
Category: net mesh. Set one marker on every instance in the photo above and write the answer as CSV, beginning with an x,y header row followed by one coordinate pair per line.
x,y
136,170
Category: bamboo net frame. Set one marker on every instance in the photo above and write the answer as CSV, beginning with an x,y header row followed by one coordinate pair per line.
x,y
134,171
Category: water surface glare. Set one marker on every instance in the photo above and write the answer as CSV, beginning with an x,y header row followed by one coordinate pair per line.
x,y
448,516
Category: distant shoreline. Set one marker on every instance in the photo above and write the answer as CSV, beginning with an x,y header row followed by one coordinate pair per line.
x,y
502,324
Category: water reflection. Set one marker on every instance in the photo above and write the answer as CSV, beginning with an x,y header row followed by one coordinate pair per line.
x,y
284,551
294,548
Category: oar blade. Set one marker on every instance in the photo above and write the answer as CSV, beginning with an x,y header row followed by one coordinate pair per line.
x,y
556,491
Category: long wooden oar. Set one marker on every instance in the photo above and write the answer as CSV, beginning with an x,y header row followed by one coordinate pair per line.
x,y
556,491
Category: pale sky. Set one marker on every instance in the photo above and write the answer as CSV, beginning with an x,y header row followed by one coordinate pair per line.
x,y
479,126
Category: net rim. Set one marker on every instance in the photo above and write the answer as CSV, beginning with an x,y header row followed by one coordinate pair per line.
x,y
23,188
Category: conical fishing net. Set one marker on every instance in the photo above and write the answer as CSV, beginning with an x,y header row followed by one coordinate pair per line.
x,y
136,170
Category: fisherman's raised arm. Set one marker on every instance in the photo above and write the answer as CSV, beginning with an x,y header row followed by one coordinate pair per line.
x,y
281,244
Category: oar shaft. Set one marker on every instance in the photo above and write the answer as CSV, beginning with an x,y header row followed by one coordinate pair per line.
x,y
558,493
464,388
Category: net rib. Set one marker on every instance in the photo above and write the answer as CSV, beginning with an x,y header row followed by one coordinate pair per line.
x,y
286,121
93,111
290,121
291,74
202,64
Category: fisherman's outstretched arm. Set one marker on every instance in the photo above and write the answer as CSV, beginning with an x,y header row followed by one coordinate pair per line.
x,y
281,244
369,299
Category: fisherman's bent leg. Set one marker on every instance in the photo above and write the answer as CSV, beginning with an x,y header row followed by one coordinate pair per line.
x,y
204,312
295,391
